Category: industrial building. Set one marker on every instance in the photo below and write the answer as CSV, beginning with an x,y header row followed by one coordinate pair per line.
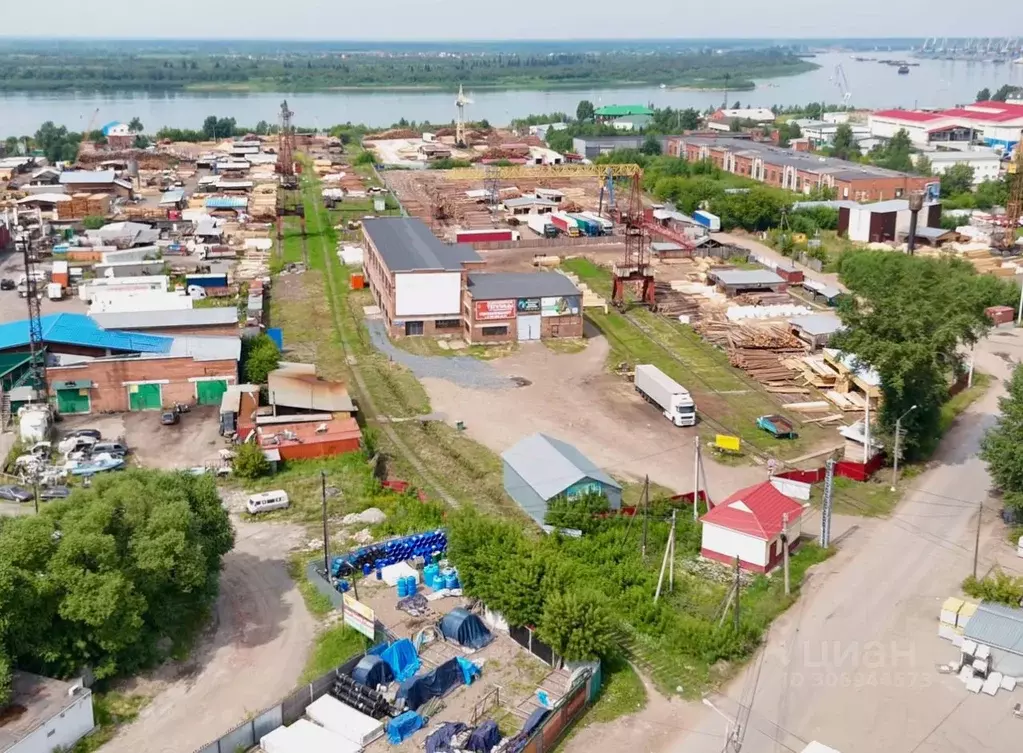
x,y
722,119
93,370
509,306
45,715
95,181
415,278
732,282
815,329
216,320
540,468
613,112
591,147
986,163
884,221
797,170
994,124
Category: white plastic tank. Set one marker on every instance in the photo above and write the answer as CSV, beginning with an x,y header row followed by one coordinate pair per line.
x,y
34,423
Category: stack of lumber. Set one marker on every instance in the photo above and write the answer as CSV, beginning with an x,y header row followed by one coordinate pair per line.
x,y
762,299
847,401
765,337
815,370
715,329
674,304
764,366
86,205
986,263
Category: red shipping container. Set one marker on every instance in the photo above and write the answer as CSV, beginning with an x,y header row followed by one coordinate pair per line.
x,y
1000,314
482,236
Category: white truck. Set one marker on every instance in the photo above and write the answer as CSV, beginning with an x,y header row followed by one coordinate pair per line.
x,y
676,403
541,225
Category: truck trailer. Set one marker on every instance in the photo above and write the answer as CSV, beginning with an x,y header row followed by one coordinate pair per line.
x,y
587,226
566,224
486,235
604,222
710,221
672,398
541,225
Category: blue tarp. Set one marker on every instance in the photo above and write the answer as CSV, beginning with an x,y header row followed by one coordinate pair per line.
x,y
403,727
534,721
484,737
470,671
402,659
466,628
372,671
435,684
440,741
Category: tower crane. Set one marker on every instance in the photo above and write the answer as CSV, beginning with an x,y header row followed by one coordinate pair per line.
x,y
1014,205
87,133
842,83
460,102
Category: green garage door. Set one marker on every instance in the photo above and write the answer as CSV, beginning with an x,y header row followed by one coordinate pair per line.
x,y
145,397
210,391
73,401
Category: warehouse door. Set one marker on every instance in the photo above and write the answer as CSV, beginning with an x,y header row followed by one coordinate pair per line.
x,y
73,401
529,327
145,397
210,391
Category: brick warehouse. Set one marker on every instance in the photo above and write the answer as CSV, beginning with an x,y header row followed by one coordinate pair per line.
x,y
426,287
797,170
90,369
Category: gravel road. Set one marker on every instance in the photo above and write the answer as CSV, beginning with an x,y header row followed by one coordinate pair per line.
x,y
462,370
253,658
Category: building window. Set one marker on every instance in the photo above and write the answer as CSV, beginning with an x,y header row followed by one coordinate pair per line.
x,y
898,193
448,324
413,328
493,331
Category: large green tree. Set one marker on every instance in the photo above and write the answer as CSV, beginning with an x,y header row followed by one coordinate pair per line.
x,y
957,179
584,112
259,357
1002,446
844,144
100,579
577,626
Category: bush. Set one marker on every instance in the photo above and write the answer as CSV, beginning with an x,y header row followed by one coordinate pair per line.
x,y
259,357
93,222
577,626
998,586
366,158
250,462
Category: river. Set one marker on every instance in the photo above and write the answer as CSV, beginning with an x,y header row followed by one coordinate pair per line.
x,y
872,85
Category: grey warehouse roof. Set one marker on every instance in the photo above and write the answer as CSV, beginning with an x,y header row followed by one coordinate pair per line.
x,y
489,286
224,348
817,324
407,245
87,176
550,466
747,277
175,318
932,233
997,626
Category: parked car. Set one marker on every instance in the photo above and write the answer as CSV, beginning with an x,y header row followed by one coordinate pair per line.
x,y
113,448
169,418
13,493
54,492
94,433
7,284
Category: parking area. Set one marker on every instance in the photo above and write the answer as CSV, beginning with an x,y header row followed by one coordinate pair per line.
x,y
13,307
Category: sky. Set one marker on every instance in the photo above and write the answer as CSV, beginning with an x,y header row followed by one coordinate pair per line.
x,y
523,19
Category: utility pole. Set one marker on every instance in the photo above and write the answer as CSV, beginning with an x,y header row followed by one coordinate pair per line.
x,y
785,549
671,558
696,479
326,543
664,562
898,439
646,511
826,504
976,544
738,590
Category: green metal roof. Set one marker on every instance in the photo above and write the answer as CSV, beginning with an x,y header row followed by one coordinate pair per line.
x,y
10,361
617,111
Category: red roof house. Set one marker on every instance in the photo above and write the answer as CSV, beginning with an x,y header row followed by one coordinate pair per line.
x,y
749,525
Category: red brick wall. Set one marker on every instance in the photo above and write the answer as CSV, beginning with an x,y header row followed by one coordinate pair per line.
x,y
880,189
561,326
110,395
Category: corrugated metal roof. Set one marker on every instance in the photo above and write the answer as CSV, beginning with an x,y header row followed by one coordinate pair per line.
x,y
747,277
489,286
407,245
550,466
173,196
756,510
78,329
300,389
225,348
173,318
817,324
87,176
227,202
997,626
528,201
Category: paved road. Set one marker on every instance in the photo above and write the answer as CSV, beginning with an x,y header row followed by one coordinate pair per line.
x,y
762,250
853,663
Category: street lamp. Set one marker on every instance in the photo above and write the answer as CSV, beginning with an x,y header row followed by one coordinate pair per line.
x,y
898,436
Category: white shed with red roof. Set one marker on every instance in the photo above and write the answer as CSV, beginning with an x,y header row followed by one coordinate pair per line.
x,y
749,525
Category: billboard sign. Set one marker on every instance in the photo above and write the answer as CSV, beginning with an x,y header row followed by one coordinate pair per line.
x,y
359,617
559,306
528,305
487,311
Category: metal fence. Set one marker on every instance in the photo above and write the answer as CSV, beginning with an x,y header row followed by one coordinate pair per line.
x,y
815,264
552,243
286,711
528,640
546,736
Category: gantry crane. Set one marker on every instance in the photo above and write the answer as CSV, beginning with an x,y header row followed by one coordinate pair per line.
x,y
1014,205
86,134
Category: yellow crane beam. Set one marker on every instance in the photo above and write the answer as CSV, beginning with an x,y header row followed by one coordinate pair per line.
x,y
515,172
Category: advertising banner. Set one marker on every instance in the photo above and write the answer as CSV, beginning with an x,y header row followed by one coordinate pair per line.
x,y
359,617
528,305
493,310
559,306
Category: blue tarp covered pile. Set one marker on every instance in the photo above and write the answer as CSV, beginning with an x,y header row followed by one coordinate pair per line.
x,y
518,742
470,671
463,626
435,684
403,727
402,659
440,741
484,737
372,671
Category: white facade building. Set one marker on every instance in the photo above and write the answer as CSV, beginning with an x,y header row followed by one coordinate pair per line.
x,y
995,124
986,163
57,715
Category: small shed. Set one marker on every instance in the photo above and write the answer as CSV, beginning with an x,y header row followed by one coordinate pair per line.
x,y
932,236
666,250
749,525
465,628
1001,628
540,468
819,290
815,329
735,281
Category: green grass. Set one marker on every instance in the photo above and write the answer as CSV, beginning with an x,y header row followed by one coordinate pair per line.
x,y
318,604
951,410
727,400
332,647
632,493
871,499
565,345
621,693
110,710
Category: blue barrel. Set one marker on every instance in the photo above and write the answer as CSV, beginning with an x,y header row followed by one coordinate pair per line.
x,y
366,568
451,580
380,569
402,588
410,585
343,586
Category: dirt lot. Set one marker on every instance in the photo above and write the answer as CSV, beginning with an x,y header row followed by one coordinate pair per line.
x,y
13,307
253,656
192,442
573,398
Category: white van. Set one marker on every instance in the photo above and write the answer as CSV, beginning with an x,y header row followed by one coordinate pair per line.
x,y
267,501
